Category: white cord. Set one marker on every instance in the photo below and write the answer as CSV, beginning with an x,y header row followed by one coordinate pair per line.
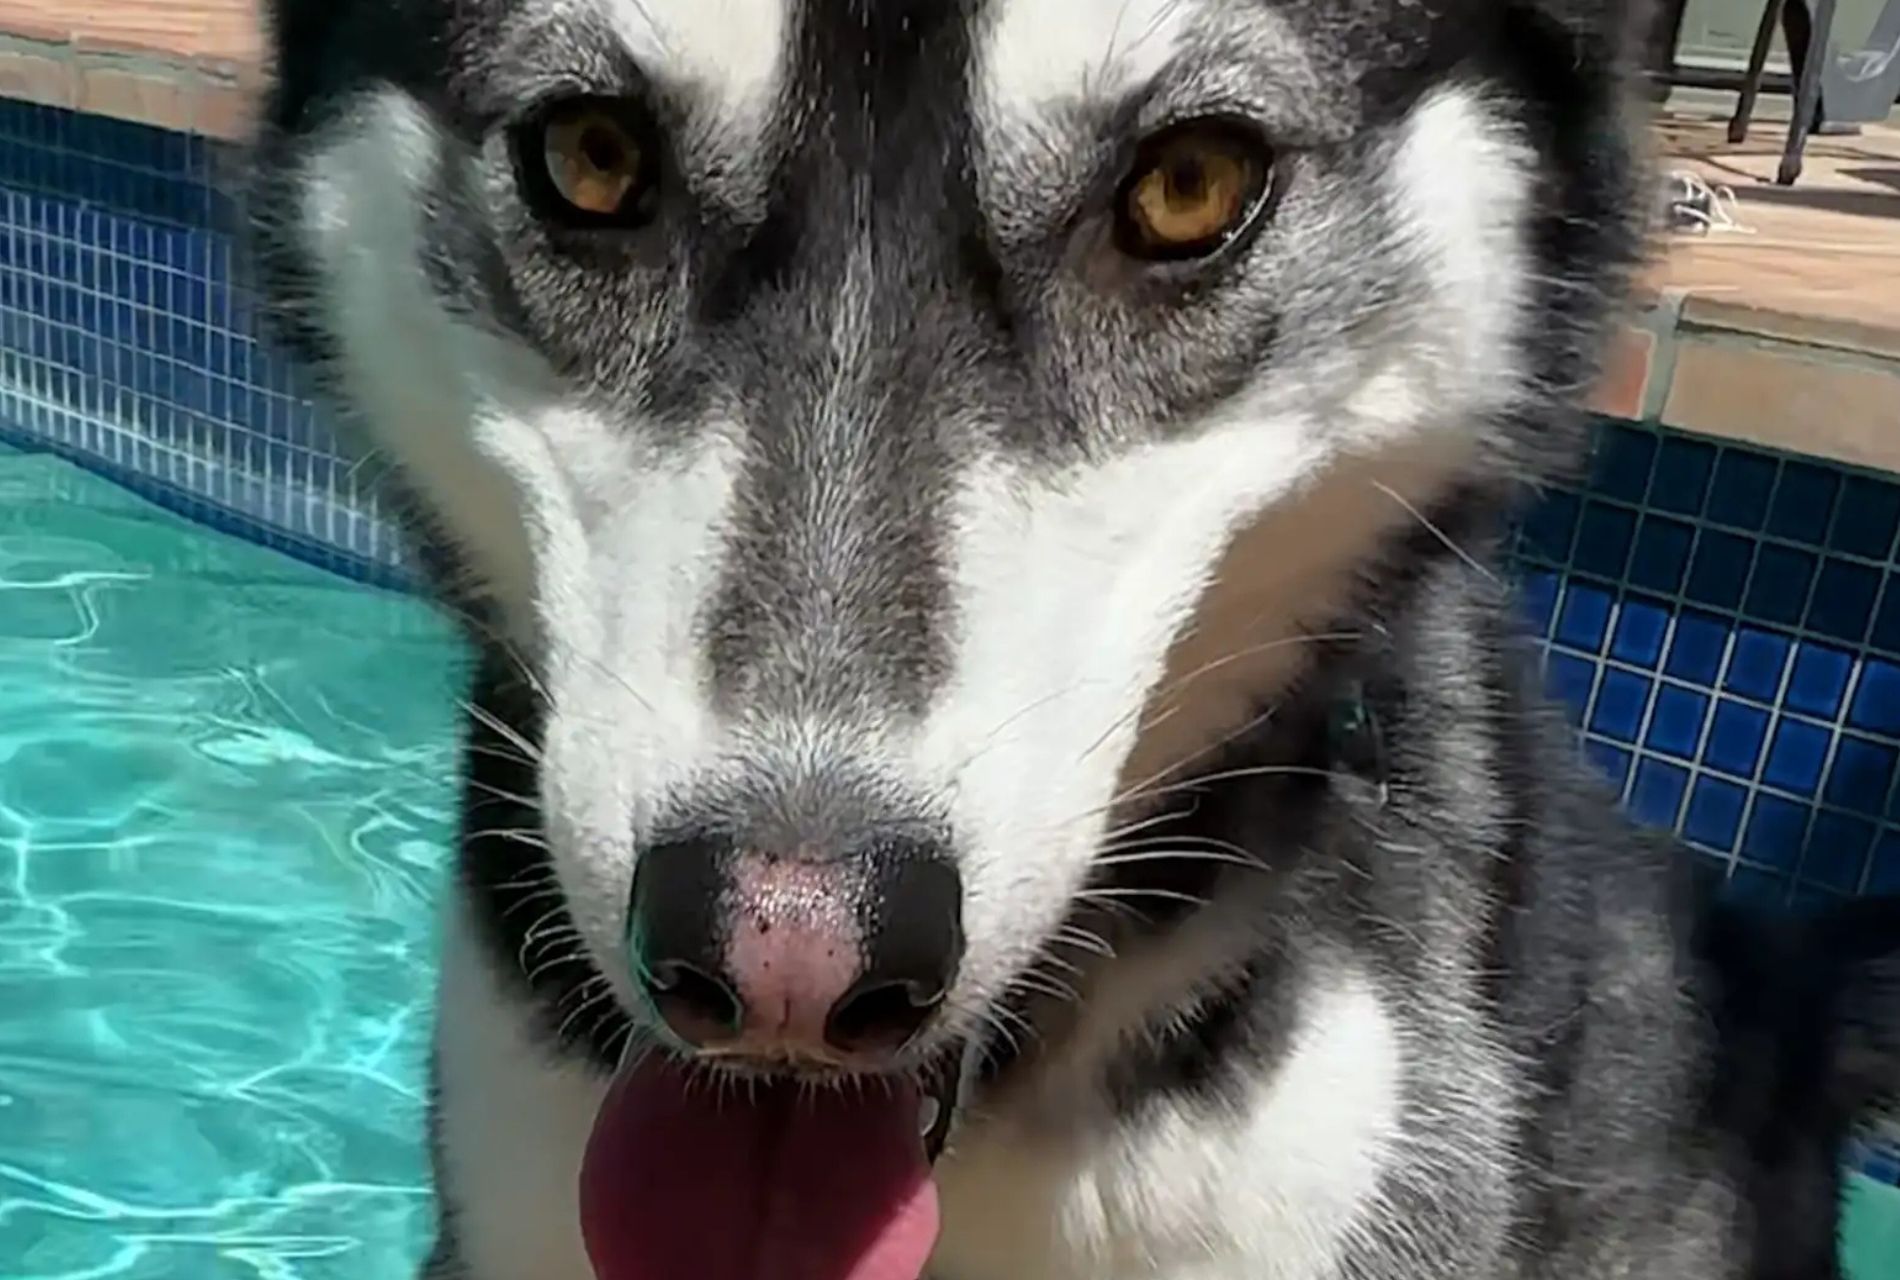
x,y
1708,209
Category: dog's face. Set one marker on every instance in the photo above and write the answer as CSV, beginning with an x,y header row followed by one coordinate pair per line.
x,y
900,436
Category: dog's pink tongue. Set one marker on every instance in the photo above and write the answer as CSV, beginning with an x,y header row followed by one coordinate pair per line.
x,y
763,1183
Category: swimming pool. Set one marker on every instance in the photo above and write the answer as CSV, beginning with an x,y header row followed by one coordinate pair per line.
x,y
226,789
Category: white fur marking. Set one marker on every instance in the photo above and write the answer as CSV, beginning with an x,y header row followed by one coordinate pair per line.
x,y
408,368
1039,53
1268,1192
1463,188
734,46
1072,596
601,551
514,1124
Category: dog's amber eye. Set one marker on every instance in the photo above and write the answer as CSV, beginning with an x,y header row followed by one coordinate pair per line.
x,y
594,160
1194,187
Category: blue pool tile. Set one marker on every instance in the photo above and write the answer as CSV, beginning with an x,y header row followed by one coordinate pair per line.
x,y
105,301
1624,457
1803,507
1861,778
1604,536
1886,633
1876,705
1776,831
1778,590
218,353
1844,600
1796,757
1612,761
1696,649
1715,813
1570,680
1882,1167
1621,700
1818,684
1657,791
1743,484
1584,620
1883,871
1675,725
1662,554
1756,665
1641,627
1683,468
1537,597
1868,518
1736,736
1838,848
1719,570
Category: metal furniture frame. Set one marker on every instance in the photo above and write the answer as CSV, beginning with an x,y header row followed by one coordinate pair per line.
x,y
1807,29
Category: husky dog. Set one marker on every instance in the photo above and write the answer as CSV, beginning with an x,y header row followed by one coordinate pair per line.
x,y
996,753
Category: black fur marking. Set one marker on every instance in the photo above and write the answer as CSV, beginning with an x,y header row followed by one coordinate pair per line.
x,y
1792,1073
441,1262
508,875
1203,1052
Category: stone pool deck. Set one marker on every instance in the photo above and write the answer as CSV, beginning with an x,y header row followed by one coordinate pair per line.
x,y
1785,332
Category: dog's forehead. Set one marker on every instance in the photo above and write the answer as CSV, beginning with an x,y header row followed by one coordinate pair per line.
x,y
1040,48
1032,54
1024,59
733,51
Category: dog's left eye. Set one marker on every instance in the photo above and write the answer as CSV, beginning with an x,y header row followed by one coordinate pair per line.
x,y
1193,189
588,161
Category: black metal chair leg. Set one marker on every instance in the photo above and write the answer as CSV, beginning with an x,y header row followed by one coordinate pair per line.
x,y
1665,34
1757,67
1807,97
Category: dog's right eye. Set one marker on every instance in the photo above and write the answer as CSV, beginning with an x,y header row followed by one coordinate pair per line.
x,y
1195,188
588,162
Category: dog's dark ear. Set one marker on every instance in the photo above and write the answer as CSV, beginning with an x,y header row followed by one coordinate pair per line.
x,y
320,50
298,35
1623,30
318,55
1599,41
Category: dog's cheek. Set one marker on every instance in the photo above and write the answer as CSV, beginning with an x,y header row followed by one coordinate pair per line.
x,y
1070,593
421,381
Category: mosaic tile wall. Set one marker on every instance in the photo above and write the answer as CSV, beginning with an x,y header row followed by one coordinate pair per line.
x,y
1724,627
124,341
1723,624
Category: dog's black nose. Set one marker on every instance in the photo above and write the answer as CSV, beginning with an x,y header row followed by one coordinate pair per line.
x,y
676,941
800,954
915,945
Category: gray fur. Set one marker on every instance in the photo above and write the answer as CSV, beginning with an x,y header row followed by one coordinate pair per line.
x,y
868,287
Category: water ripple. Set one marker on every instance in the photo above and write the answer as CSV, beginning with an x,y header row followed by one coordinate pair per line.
x,y
226,784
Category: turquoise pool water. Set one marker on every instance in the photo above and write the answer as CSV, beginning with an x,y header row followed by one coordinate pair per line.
x,y
226,783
